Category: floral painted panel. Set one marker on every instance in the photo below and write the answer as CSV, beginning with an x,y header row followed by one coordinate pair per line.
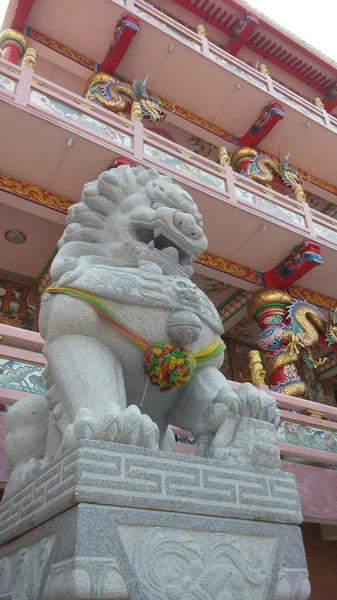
x,y
165,27
309,437
305,111
184,167
297,434
18,303
269,207
235,69
21,376
79,118
244,330
328,234
316,389
7,84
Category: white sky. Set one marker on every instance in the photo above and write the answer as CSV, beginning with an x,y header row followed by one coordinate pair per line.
x,y
3,8
313,21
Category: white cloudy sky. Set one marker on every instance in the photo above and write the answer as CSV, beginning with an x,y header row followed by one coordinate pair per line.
x,y
314,21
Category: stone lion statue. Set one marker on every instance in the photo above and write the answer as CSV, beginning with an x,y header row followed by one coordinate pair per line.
x,y
127,253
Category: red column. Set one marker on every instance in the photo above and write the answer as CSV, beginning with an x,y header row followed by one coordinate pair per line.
x,y
13,45
269,309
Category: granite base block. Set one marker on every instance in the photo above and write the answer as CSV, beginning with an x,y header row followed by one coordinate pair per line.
x,y
112,553
118,475
114,522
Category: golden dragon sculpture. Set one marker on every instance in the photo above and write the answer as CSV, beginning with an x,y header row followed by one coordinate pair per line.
x,y
290,330
262,169
118,96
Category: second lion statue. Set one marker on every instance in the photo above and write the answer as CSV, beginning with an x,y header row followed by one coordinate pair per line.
x,y
120,290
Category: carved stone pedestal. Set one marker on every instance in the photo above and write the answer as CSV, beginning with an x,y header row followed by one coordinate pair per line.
x,y
113,522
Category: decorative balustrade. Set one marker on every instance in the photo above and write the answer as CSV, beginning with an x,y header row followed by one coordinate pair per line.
x,y
21,364
64,108
208,49
50,102
301,437
211,51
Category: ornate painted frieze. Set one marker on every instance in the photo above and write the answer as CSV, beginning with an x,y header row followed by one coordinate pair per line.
x,y
18,303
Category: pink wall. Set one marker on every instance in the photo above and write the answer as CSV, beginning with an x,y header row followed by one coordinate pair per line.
x,y
318,490
322,560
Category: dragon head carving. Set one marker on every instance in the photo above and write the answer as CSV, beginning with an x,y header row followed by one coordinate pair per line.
x,y
118,96
131,216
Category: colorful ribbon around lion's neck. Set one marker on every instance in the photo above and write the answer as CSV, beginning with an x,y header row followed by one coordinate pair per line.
x,y
166,366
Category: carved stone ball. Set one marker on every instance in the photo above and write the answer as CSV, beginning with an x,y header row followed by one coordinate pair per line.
x,y
264,298
183,327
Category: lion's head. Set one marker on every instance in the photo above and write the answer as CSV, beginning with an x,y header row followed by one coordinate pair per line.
x,y
132,215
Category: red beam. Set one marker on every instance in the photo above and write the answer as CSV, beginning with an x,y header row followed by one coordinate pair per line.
x,y
192,8
300,261
286,39
271,114
126,29
21,14
241,34
200,13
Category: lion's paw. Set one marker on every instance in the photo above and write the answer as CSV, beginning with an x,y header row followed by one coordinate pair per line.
x,y
23,473
136,429
128,427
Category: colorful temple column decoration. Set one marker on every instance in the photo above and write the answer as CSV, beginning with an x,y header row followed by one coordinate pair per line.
x,y
242,33
18,303
269,309
302,259
126,29
291,329
119,96
13,45
265,169
270,116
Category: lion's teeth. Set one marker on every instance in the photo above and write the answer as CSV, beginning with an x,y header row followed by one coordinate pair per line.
x,y
171,253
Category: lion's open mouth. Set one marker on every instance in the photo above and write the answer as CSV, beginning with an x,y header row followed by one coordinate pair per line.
x,y
164,244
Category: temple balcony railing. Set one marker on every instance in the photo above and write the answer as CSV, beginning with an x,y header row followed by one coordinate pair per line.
x,y
205,179
207,49
308,445
234,76
301,436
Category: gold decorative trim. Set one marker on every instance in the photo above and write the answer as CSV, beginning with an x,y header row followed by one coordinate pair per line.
x,y
33,193
61,49
46,198
227,266
312,297
14,37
